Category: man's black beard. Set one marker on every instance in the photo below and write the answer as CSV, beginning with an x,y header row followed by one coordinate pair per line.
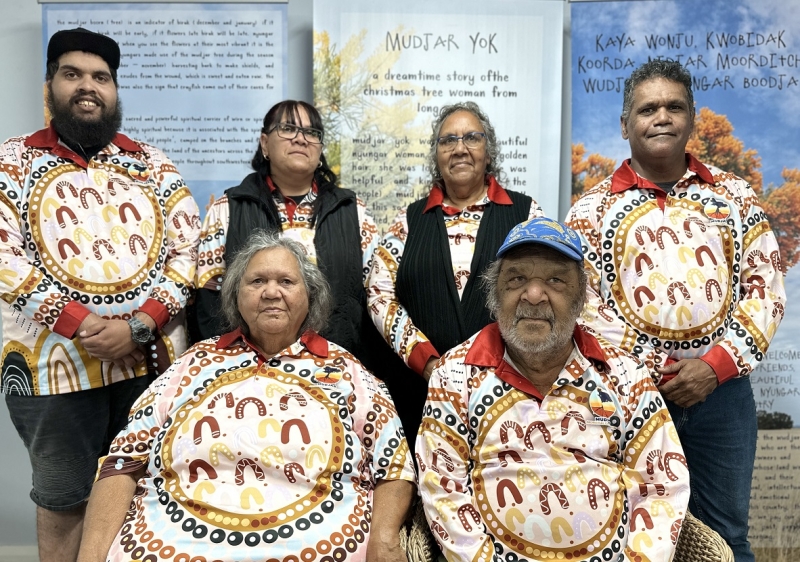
x,y
73,130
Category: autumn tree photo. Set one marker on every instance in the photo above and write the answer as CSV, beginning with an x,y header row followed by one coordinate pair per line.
x,y
782,205
587,173
713,142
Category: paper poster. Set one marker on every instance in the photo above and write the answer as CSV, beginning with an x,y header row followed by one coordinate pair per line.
x,y
744,58
775,494
381,74
195,80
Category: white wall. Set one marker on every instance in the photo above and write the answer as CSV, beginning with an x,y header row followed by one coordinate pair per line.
x,y
21,103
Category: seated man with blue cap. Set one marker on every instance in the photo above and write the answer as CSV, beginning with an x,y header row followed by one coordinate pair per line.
x,y
539,441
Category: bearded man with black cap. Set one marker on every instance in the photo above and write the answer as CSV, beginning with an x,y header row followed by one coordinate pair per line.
x,y
98,237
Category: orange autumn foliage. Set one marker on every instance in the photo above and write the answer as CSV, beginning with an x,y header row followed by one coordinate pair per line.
x,y
712,142
782,205
589,172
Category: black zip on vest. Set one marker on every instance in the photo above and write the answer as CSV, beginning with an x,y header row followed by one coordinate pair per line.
x,y
425,284
337,240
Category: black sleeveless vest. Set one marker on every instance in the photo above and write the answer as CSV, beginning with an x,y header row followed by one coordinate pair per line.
x,y
425,285
337,240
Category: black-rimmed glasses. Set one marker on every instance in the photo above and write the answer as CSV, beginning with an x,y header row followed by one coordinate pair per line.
x,y
289,132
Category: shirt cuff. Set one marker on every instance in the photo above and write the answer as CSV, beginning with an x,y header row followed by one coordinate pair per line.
x,y
157,311
115,465
70,319
719,360
420,355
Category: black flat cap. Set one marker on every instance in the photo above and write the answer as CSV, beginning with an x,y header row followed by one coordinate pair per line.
x,y
80,39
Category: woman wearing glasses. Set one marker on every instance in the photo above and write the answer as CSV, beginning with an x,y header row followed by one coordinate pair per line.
x,y
293,191
424,290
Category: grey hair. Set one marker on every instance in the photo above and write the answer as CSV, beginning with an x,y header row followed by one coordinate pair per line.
x,y
320,301
492,148
657,68
491,275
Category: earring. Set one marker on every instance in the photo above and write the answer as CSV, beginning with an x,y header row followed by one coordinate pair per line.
x,y
264,154
320,164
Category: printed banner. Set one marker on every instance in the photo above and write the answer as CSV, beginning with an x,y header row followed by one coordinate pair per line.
x,y
195,80
381,75
775,494
745,65
746,82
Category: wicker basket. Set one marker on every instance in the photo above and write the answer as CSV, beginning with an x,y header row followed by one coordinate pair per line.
x,y
699,543
416,538
696,543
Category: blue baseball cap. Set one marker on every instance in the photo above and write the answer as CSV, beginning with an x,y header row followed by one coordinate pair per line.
x,y
547,232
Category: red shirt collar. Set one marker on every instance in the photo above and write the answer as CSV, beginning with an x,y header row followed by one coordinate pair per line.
x,y
273,188
488,350
312,341
48,138
625,177
496,194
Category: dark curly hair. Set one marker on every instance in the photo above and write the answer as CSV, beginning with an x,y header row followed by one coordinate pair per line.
x,y
657,68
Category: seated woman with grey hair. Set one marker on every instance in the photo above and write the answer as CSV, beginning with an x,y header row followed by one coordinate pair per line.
x,y
267,443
